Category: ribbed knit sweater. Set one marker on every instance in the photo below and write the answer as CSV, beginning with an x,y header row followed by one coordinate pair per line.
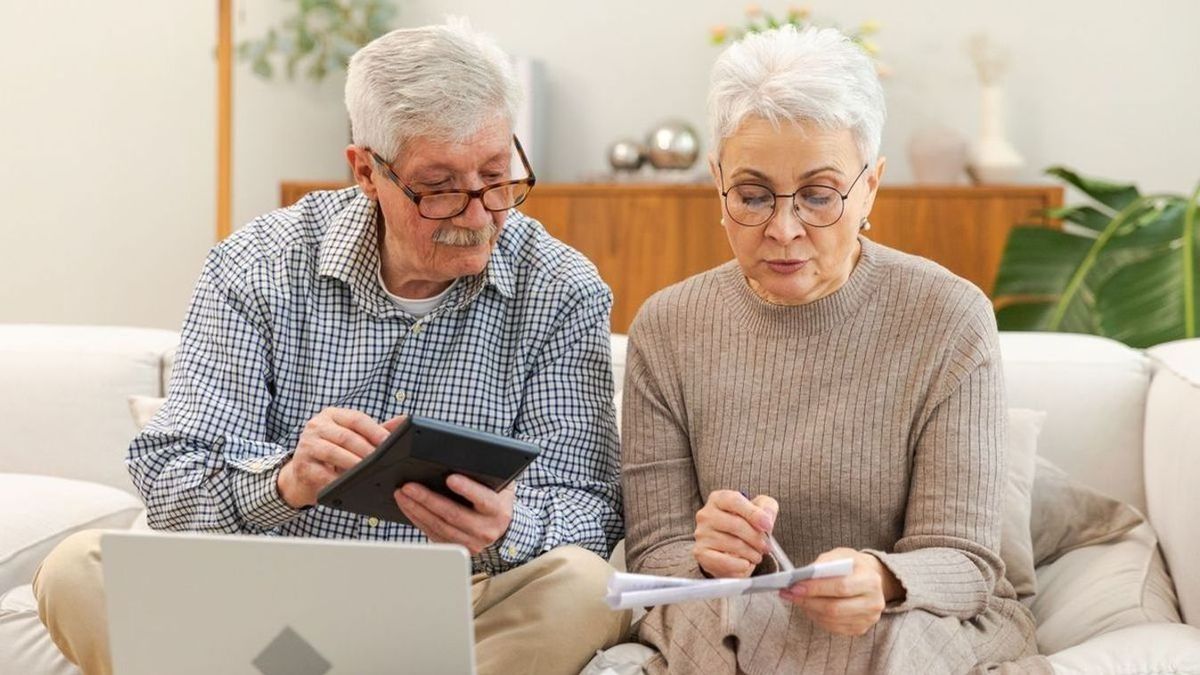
x,y
875,416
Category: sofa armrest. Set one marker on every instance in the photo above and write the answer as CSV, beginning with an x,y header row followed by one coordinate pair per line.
x,y
37,512
1172,465
1146,648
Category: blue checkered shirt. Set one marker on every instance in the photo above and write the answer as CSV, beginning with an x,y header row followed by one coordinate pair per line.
x,y
289,318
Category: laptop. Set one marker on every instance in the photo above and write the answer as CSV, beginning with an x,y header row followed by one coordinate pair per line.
x,y
192,603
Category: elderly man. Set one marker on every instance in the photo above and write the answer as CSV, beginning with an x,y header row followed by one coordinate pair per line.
x,y
418,292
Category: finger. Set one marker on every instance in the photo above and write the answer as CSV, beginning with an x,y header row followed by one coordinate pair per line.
x,y
435,528
737,503
485,500
451,512
361,424
838,587
394,423
716,520
767,504
345,437
335,456
722,565
719,541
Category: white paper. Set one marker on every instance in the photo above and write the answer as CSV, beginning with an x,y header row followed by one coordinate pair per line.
x,y
646,590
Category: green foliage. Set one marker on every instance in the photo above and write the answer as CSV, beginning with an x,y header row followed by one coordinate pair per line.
x,y
319,38
1123,267
757,20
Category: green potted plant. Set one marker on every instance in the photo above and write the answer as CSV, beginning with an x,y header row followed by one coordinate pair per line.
x,y
319,37
1123,266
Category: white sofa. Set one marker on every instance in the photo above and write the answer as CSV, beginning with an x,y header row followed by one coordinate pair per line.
x,y
1122,421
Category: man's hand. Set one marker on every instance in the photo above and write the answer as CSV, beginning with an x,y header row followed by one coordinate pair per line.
x,y
731,533
334,440
447,522
847,605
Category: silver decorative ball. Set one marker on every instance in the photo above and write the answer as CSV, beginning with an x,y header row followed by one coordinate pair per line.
x,y
673,145
626,155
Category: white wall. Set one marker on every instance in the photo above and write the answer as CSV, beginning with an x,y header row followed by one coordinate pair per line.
x,y
106,159
107,115
1107,87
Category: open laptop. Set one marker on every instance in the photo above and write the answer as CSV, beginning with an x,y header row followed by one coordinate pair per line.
x,y
189,603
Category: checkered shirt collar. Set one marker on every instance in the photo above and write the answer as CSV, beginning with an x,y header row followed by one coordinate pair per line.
x,y
350,252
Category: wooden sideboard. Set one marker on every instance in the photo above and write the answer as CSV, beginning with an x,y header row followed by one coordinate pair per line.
x,y
645,237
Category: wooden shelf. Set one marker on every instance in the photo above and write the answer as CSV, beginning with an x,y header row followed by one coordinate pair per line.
x,y
644,237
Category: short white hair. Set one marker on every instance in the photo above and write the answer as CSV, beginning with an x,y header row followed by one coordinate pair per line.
x,y
441,82
815,75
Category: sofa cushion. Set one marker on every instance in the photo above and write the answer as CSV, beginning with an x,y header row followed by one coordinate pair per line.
x,y
1097,589
1173,464
25,646
143,409
1093,390
40,511
1016,539
1147,649
65,397
1067,515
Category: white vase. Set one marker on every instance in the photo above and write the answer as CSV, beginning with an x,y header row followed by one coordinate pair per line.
x,y
993,157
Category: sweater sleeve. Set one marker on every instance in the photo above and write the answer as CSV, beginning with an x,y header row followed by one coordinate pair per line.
x,y
948,558
657,472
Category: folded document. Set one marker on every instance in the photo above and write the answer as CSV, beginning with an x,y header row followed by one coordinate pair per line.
x,y
646,590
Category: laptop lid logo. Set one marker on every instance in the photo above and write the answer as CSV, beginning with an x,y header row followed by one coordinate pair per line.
x,y
290,654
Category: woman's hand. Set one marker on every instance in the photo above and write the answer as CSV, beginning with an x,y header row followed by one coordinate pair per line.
x,y
847,605
731,533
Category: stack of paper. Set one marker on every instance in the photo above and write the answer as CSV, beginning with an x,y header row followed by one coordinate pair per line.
x,y
646,590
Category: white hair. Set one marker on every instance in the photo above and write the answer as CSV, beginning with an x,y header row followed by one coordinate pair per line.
x,y
815,75
441,82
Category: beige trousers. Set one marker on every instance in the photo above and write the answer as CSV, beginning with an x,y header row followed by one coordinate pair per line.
x,y
546,616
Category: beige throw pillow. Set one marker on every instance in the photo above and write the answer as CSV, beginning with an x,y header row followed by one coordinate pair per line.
x,y
1016,546
143,409
1068,515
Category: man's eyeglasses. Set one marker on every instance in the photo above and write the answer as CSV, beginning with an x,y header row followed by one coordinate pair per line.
x,y
753,205
446,204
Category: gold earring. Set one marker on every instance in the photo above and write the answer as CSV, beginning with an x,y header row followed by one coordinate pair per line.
x,y
865,224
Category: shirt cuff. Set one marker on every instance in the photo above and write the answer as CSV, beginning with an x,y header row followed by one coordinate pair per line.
x,y
256,490
521,543
935,580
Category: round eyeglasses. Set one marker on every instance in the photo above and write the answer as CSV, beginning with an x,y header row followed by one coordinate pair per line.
x,y
753,205
447,204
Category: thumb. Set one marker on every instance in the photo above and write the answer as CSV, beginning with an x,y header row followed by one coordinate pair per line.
x,y
394,423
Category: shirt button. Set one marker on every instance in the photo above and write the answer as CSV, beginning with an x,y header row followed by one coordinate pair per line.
x,y
512,550
401,396
372,521
417,328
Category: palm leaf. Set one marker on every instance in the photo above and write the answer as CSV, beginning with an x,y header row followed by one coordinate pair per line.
x,y
1131,275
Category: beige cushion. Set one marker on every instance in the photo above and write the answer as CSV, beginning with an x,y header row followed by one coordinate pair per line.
x,y
40,511
1095,589
1068,515
1016,547
144,408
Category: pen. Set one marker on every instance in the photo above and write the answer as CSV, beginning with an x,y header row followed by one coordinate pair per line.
x,y
785,563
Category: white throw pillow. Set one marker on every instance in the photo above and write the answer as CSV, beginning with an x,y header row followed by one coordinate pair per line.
x,y
1100,588
1016,540
40,511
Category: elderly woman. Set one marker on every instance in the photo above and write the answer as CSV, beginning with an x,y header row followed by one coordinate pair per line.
x,y
852,391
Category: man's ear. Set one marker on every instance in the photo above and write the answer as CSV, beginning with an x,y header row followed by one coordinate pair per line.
x,y
362,167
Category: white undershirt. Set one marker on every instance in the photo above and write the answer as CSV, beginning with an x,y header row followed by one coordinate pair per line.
x,y
419,307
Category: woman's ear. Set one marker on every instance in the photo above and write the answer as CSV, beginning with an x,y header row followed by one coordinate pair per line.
x,y
874,178
362,168
714,170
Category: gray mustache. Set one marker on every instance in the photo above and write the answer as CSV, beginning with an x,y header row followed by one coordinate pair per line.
x,y
451,235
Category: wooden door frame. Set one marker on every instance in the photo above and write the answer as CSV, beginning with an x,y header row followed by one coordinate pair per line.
x,y
224,118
